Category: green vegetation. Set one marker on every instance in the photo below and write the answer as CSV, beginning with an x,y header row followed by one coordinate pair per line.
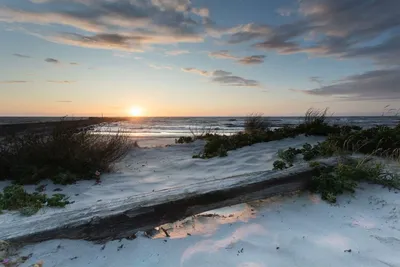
x,y
65,155
255,123
14,197
216,143
184,140
257,131
333,181
308,152
197,134
279,165
379,140
341,140
289,155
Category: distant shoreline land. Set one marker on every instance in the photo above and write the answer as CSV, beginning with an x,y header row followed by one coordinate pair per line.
x,y
172,127
40,126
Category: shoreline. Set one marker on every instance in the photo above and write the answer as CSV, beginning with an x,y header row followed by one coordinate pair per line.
x,y
44,127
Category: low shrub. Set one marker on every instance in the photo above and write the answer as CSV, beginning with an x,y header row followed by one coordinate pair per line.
x,y
57,200
63,156
289,155
257,131
334,181
215,143
279,165
14,197
242,139
330,185
378,140
323,149
222,152
308,152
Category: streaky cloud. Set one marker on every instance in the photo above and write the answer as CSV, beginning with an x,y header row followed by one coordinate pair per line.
x,y
21,55
52,60
224,78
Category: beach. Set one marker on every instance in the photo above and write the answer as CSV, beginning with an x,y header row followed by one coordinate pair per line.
x,y
162,131
298,229
199,133
146,170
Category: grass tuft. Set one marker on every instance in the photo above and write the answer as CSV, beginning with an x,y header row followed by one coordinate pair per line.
x,y
279,165
184,140
14,197
334,181
64,156
289,155
315,116
255,123
197,133
379,140
257,130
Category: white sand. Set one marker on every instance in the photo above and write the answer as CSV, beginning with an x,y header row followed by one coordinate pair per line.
x,y
308,232
151,169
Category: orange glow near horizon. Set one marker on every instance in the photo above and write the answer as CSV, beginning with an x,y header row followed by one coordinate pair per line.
x,y
136,111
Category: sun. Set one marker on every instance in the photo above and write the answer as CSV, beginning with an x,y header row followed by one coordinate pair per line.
x,y
135,111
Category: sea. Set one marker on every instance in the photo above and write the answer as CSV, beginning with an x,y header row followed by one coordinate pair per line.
x,y
169,128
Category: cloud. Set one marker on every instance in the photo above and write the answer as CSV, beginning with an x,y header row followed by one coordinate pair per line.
x,y
101,41
21,56
224,78
386,53
60,81
285,11
221,73
125,25
11,15
52,60
256,59
177,52
122,54
248,32
202,12
160,67
249,60
196,71
316,79
372,85
223,54
74,63
340,28
13,81
64,101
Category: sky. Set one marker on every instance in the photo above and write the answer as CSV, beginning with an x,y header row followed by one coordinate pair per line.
x,y
198,57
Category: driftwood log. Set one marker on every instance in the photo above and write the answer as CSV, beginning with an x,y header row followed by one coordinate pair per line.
x,y
122,218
